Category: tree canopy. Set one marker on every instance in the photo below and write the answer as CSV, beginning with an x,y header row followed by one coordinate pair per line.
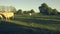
x,y
46,10
7,8
19,11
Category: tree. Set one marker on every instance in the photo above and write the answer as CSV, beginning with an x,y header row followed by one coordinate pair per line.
x,y
11,9
24,12
31,11
7,9
44,8
54,12
44,5
2,8
19,11
49,11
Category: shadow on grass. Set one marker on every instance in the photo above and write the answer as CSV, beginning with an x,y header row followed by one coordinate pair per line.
x,y
39,21
11,28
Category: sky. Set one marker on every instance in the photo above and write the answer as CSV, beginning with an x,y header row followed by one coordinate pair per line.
x,y
26,5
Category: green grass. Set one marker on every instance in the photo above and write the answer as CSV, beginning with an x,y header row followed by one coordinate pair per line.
x,y
29,24
43,22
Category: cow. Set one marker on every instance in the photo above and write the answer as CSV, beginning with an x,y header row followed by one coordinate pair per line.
x,y
1,17
6,15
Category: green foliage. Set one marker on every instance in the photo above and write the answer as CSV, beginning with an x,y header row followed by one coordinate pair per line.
x,y
19,11
54,11
46,10
49,11
32,11
24,12
44,5
28,12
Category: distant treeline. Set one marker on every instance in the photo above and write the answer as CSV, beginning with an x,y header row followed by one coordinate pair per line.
x,y
24,12
43,9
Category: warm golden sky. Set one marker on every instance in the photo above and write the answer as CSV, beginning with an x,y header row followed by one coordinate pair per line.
x,y
30,4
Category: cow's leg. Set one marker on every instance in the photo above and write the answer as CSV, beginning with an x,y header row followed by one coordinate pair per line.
x,y
1,18
5,19
13,17
8,19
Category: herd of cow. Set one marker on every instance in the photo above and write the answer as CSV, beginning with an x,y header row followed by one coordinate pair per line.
x,y
6,15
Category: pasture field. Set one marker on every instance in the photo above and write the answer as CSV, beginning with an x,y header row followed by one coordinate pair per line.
x,y
48,22
33,24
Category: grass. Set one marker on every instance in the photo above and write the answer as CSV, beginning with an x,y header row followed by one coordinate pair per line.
x,y
43,22
50,23
13,28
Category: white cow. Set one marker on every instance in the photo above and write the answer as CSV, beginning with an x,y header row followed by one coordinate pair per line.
x,y
7,15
